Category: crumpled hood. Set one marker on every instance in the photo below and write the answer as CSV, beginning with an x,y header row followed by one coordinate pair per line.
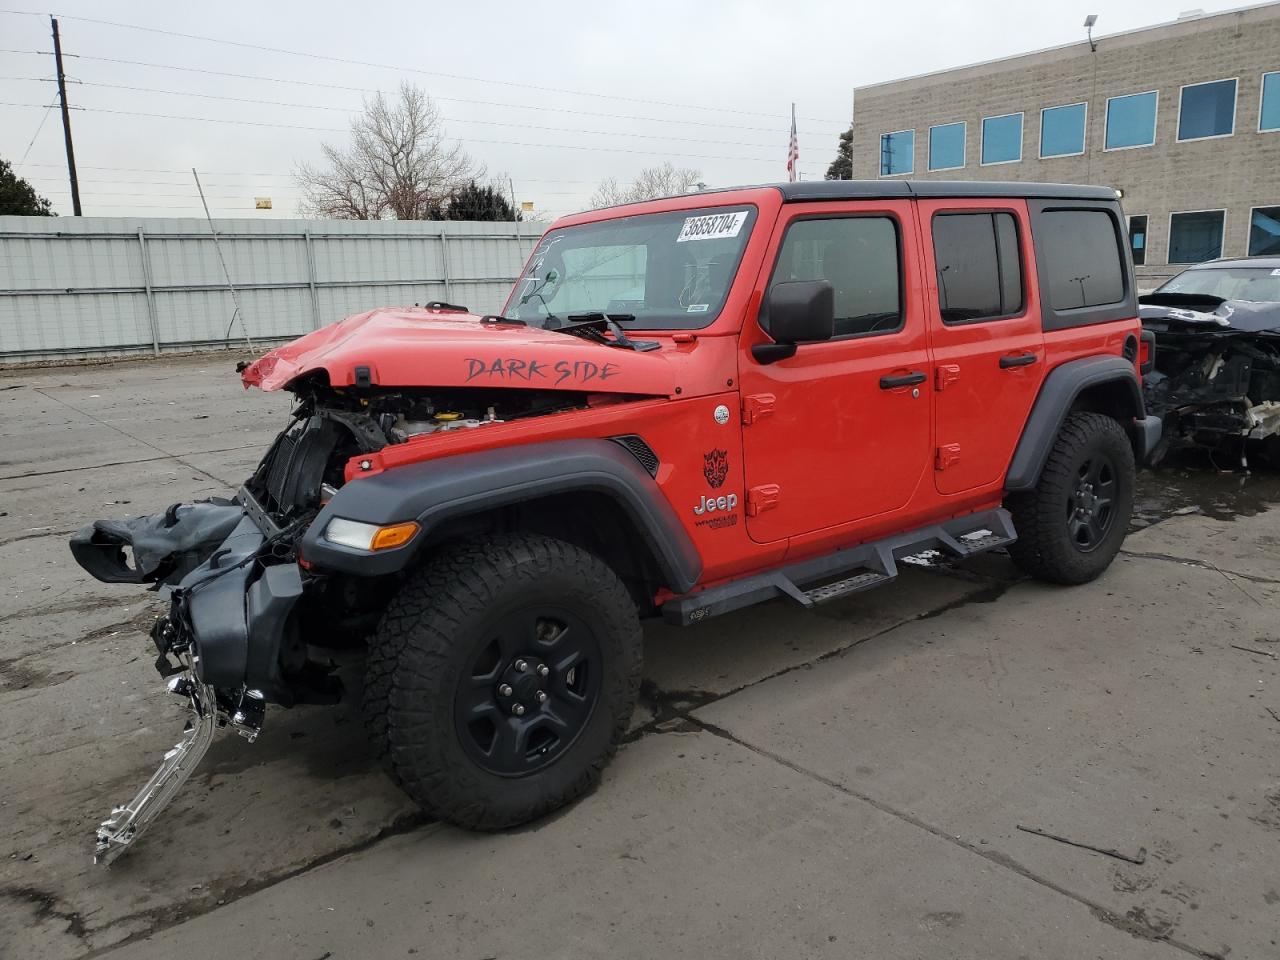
x,y
1203,313
405,347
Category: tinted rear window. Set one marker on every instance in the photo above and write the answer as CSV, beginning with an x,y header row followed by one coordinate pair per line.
x,y
1082,265
979,271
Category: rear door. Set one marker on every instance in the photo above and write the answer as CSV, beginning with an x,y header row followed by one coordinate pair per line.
x,y
840,431
985,335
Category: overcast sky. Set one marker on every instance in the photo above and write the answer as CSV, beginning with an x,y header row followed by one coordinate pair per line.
x,y
556,96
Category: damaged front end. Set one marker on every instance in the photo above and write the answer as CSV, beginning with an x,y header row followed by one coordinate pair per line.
x,y
245,608
1216,382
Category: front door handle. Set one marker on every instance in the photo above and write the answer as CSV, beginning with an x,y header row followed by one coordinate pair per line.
x,y
1018,360
903,380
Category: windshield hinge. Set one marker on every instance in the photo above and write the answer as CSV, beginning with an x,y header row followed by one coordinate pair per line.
x,y
756,406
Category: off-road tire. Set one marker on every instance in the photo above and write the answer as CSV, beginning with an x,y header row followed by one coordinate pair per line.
x,y
420,653
1045,547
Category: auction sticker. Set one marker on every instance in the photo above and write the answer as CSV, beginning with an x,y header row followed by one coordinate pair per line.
x,y
713,227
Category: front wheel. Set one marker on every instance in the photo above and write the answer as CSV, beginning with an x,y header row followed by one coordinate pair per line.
x,y
1071,525
508,669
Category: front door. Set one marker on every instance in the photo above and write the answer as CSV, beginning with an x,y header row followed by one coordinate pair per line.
x,y
840,432
988,346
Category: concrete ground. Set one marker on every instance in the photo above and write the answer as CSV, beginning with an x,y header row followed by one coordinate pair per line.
x,y
857,781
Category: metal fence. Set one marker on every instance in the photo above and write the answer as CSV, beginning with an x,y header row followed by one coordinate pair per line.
x,y
104,286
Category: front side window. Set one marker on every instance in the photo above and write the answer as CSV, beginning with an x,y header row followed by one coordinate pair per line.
x,y
1131,121
660,271
979,270
859,256
1002,139
897,152
1269,110
1207,110
946,146
1259,284
1195,237
1264,232
1138,240
1062,130
1080,258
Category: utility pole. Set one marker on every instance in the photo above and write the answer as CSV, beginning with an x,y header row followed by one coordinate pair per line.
x,y
66,120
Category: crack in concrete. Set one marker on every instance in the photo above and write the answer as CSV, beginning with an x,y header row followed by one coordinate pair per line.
x,y
164,915
126,433
126,463
1199,564
1129,923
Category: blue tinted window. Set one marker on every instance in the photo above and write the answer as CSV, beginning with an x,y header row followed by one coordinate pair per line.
x,y
1002,138
1131,121
897,152
1270,119
1264,232
946,146
1062,130
1208,110
1195,237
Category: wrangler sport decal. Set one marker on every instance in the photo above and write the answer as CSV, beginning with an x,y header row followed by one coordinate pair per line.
x,y
553,372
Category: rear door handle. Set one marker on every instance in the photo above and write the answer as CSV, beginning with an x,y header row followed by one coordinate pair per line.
x,y
903,380
1018,360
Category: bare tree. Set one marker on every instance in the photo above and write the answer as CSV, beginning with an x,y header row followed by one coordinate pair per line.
x,y
653,182
398,165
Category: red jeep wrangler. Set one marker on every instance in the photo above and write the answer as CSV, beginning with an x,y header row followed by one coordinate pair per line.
x,y
687,406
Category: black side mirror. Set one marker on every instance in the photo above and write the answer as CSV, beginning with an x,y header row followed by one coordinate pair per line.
x,y
796,311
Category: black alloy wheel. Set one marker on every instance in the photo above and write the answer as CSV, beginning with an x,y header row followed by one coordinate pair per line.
x,y
529,692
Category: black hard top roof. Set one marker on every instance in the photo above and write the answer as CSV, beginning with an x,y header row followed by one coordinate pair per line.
x,y
812,190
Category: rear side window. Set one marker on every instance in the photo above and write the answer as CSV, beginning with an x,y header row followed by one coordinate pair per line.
x,y
979,269
860,258
1080,261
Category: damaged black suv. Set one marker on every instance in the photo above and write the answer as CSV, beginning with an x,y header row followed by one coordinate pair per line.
x,y
1216,382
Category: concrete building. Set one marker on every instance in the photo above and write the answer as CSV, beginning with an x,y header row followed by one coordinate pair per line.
x,y
1182,118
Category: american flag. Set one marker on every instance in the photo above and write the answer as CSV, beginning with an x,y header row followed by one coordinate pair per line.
x,y
793,151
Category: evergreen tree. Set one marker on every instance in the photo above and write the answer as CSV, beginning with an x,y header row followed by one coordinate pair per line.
x,y
842,166
19,198
474,202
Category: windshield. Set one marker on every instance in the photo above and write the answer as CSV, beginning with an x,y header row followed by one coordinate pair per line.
x,y
1261,284
657,271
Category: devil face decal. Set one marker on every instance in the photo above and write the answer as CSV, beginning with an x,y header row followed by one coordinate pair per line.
x,y
715,467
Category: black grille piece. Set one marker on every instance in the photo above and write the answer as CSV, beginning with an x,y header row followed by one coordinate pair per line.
x,y
643,453
293,469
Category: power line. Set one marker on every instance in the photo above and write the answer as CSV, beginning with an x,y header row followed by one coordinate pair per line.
x,y
442,99
509,143
459,120
434,73
250,173
39,127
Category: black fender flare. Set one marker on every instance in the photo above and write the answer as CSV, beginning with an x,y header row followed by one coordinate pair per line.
x,y
1058,394
435,491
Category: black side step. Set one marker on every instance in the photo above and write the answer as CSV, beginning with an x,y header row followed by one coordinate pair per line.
x,y
865,566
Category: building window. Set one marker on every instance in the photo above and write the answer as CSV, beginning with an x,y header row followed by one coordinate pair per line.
x,y
897,152
946,146
979,270
1264,232
1269,110
1082,259
1138,240
1207,110
1002,139
1196,236
1131,120
1062,130
859,257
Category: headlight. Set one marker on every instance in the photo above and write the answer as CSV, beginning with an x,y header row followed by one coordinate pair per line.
x,y
368,536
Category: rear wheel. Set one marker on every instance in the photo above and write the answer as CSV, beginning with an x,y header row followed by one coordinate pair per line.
x,y
1071,525
504,674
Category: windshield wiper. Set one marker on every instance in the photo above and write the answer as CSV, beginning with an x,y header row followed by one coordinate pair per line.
x,y
596,319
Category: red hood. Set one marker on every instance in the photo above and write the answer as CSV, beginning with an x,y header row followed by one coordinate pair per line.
x,y
405,347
